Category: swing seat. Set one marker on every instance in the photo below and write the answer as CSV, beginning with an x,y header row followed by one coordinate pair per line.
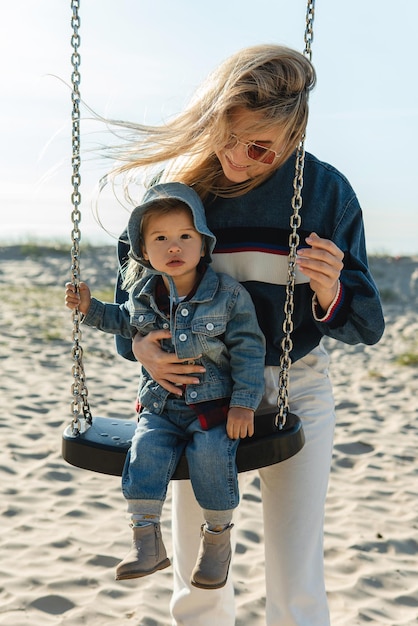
x,y
102,447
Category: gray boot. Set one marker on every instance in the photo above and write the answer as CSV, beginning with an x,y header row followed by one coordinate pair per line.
x,y
147,554
211,569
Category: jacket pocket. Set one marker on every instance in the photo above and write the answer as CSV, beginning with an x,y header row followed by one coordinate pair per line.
x,y
209,326
143,321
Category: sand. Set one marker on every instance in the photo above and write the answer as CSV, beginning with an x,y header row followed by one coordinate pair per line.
x,y
64,529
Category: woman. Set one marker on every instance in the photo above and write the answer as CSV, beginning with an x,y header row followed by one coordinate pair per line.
x,y
235,145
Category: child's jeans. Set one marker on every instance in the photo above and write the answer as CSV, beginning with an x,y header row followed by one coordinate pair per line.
x,y
157,445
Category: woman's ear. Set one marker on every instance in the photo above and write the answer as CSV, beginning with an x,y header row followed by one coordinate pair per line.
x,y
144,253
203,249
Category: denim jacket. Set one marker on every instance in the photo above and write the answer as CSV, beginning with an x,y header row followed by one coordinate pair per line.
x,y
219,322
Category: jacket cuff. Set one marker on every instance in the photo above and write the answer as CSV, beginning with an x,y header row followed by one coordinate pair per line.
x,y
246,400
94,314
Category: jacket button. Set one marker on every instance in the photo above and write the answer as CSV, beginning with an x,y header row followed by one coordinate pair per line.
x,y
155,405
183,337
165,325
210,326
184,312
141,318
193,395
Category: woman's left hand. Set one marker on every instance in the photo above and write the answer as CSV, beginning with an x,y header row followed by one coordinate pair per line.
x,y
322,263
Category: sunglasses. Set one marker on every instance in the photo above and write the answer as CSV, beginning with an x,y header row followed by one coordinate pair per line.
x,y
254,151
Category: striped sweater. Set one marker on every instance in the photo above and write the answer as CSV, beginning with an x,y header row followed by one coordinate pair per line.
x,y
252,234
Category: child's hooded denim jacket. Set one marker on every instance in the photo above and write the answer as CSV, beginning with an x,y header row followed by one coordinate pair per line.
x,y
218,322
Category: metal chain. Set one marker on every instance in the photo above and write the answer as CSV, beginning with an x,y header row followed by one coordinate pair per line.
x,y
79,388
310,14
295,222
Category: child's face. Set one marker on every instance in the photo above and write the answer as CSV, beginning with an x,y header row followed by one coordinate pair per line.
x,y
172,244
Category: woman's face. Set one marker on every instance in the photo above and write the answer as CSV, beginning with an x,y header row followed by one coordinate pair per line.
x,y
236,164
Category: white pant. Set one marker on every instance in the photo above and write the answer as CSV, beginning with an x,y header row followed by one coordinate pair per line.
x,y
293,496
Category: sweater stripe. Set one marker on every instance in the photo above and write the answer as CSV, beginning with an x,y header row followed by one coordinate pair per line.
x,y
256,265
252,247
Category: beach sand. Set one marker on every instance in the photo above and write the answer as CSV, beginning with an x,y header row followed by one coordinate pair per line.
x,y
64,529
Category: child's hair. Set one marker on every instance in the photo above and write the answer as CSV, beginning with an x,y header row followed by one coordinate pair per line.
x,y
272,80
133,270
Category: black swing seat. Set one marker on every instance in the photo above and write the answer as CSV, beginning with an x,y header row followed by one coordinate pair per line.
x,y
103,445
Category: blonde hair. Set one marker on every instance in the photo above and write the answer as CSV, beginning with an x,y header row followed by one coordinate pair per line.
x,y
272,80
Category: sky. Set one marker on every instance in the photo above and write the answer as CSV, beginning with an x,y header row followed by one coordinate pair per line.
x,y
142,60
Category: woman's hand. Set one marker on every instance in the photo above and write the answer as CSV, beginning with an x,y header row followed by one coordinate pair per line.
x,y
81,300
240,423
322,263
164,367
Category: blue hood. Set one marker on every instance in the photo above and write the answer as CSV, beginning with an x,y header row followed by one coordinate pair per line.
x,y
181,192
